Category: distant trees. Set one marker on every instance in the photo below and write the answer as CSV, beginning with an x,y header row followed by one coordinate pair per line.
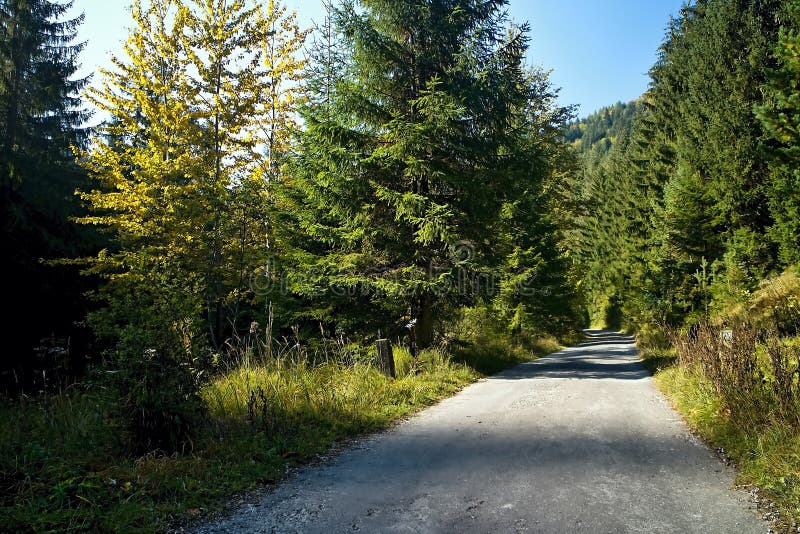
x,y
41,118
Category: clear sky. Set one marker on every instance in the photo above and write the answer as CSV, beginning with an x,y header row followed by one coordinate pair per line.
x,y
599,50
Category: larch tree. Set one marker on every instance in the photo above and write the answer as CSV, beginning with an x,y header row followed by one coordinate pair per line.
x,y
245,93
182,176
184,162
150,194
284,74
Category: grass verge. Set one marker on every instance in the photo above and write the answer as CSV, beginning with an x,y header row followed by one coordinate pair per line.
x,y
64,466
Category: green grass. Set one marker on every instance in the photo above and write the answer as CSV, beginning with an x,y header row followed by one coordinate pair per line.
x,y
767,457
64,465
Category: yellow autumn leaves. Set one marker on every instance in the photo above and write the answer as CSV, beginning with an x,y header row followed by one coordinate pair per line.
x,y
201,104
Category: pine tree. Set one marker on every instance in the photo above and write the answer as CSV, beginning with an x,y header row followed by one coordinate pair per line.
x,y
780,116
41,117
407,173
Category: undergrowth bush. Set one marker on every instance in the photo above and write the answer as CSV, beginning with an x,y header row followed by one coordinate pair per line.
x,y
754,371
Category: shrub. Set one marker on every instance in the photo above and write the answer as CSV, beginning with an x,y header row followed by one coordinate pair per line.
x,y
161,402
753,370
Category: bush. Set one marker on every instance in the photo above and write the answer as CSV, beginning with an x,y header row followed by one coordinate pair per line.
x,y
753,370
161,403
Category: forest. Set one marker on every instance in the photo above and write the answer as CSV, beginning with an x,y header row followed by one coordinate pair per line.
x,y
197,284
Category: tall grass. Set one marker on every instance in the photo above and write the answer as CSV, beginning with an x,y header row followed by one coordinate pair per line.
x,y
283,395
65,464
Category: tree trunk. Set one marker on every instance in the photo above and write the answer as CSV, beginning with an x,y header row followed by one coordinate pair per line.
x,y
423,330
386,358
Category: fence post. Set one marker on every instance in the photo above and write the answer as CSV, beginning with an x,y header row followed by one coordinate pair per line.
x,y
386,358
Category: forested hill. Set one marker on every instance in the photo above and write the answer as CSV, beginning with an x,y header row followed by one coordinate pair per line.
x,y
598,132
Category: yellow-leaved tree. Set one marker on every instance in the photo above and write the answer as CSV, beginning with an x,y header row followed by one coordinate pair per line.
x,y
245,55
199,100
148,196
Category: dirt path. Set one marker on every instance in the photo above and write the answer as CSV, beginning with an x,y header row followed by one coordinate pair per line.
x,y
579,441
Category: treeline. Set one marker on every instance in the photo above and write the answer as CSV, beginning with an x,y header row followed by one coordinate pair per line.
x,y
696,202
374,178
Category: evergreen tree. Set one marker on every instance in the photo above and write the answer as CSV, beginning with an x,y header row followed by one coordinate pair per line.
x,y
535,293
406,175
41,118
780,116
704,198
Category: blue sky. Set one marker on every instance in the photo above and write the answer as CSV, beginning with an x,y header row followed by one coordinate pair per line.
x,y
599,50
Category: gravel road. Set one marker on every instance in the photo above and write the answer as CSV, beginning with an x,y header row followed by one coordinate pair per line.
x,y
579,441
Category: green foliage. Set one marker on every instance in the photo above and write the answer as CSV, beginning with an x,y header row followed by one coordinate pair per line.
x,y
161,402
780,117
603,216
481,340
594,136
424,172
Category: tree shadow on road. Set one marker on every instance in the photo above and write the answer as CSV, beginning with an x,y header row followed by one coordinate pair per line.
x,y
607,355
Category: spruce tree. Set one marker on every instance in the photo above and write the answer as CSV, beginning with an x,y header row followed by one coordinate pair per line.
x,y
41,118
780,116
406,175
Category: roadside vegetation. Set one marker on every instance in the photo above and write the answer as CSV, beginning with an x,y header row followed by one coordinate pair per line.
x,y
736,381
66,462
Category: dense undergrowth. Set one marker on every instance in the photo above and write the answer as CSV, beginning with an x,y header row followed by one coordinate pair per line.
x,y
65,465
736,380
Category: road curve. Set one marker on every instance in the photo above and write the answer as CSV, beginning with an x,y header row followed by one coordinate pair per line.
x,y
578,441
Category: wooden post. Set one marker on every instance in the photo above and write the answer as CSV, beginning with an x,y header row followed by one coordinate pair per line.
x,y
386,358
